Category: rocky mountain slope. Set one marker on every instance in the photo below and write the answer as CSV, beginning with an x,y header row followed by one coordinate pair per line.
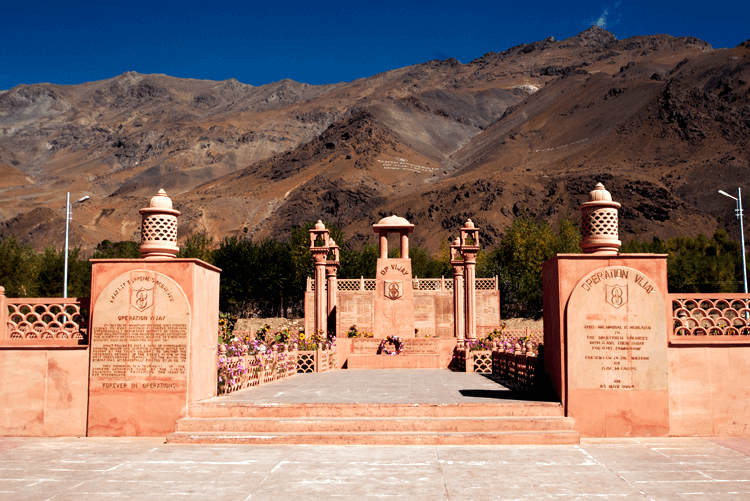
x,y
664,122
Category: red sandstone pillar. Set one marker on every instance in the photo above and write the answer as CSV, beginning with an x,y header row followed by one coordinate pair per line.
x,y
469,252
458,290
404,245
331,270
320,255
383,244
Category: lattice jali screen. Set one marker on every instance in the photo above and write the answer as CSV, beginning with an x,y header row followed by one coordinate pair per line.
x,y
483,362
159,228
429,284
348,284
369,284
711,316
484,284
306,361
601,222
32,319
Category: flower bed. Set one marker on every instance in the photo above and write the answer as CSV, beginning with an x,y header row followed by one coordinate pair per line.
x,y
243,365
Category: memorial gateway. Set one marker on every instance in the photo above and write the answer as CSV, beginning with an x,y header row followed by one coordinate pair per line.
x,y
621,356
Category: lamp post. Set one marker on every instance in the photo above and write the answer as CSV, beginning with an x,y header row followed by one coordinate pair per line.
x,y
68,218
738,199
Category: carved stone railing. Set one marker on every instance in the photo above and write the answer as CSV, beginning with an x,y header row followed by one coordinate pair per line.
x,y
514,368
248,370
320,360
47,321
422,284
710,319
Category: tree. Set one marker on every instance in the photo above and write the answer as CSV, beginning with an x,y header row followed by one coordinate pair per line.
x,y
117,250
518,259
17,268
697,265
198,246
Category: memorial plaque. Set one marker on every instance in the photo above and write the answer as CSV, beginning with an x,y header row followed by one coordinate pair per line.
x,y
139,353
617,332
488,308
139,333
444,311
355,308
424,309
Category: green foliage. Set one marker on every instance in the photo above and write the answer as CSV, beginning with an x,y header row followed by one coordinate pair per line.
x,y
17,268
518,259
117,250
356,264
198,246
697,265
256,278
24,273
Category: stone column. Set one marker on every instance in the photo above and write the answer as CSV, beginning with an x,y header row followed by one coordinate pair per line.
x,y
383,244
404,245
332,267
469,252
458,290
320,255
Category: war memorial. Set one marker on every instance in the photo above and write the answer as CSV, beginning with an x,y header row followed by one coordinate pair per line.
x,y
619,356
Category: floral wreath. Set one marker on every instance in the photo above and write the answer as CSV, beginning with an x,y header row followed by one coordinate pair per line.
x,y
397,343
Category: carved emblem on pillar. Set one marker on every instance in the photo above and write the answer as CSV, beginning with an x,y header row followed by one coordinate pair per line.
x,y
600,223
394,289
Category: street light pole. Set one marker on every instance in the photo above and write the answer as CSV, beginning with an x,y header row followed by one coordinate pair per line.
x,y
738,199
68,218
67,226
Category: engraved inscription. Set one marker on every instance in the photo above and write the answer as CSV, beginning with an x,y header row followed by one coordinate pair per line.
x,y
139,336
617,332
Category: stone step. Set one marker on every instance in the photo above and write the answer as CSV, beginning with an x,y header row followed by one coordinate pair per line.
x,y
371,425
348,410
559,437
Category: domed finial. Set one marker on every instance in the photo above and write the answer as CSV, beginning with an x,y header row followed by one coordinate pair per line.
x,y
469,223
600,194
319,225
161,201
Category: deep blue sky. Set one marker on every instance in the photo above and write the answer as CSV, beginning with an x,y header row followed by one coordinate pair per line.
x,y
314,42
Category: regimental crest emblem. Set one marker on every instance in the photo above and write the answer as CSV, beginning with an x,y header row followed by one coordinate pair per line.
x,y
142,299
394,290
616,295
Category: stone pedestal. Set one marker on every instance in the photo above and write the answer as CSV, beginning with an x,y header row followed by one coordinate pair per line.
x,y
605,337
153,343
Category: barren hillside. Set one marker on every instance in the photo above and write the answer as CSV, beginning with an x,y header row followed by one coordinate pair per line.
x,y
662,121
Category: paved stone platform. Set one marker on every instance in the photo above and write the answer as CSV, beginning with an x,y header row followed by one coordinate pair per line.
x,y
386,386
142,469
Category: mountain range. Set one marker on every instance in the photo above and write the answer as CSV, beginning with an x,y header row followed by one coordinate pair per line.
x,y
662,121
